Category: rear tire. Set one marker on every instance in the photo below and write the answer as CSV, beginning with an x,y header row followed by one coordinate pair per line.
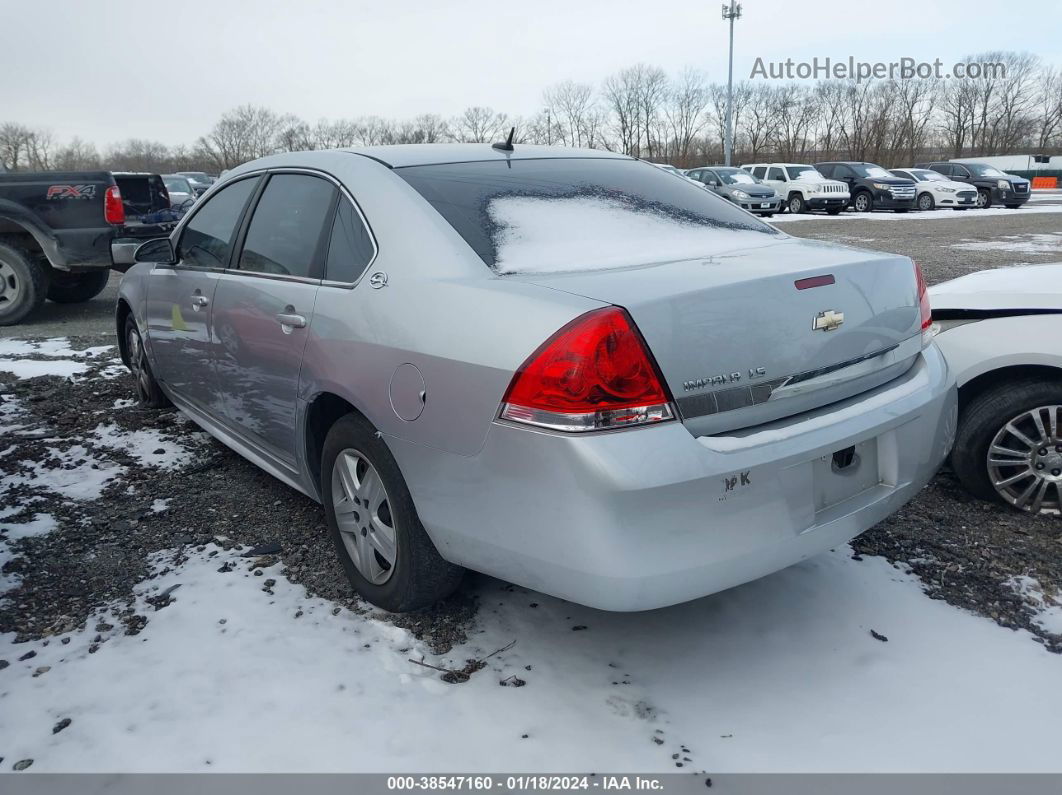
x,y
986,416
23,285
382,545
76,288
148,392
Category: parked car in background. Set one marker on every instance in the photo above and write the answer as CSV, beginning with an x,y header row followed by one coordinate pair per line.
x,y
934,190
992,185
1000,332
802,187
182,194
871,186
740,187
200,180
62,231
344,319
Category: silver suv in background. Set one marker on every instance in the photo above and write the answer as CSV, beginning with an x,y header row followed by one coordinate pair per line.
x,y
561,367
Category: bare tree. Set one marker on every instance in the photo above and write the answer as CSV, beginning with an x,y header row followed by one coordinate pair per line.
x,y
687,102
243,134
14,145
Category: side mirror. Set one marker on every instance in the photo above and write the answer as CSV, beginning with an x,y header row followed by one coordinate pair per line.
x,y
160,251
713,183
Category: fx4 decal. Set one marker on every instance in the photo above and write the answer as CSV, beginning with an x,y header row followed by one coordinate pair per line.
x,y
71,191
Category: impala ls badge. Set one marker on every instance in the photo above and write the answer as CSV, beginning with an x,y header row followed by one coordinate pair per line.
x,y
828,320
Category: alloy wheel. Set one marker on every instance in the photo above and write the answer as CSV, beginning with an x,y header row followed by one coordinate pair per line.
x,y
138,364
862,203
1025,460
10,286
363,515
925,202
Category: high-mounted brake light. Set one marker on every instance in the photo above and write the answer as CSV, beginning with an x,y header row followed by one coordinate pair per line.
x,y
924,308
595,373
113,209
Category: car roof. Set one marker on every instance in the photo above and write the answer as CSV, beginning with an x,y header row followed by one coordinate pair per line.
x,y
405,155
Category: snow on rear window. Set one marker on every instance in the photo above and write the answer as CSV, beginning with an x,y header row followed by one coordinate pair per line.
x,y
547,235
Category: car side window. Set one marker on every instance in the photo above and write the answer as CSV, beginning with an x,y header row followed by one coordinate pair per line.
x,y
828,171
775,173
350,248
284,236
760,171
959,171
208,237
944,168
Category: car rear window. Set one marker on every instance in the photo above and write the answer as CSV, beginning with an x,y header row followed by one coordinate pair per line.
x,y
570,214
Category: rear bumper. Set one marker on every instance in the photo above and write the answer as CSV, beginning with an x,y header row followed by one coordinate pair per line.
x,y
639,519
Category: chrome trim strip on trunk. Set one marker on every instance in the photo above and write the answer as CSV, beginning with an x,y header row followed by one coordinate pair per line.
x,y
757,392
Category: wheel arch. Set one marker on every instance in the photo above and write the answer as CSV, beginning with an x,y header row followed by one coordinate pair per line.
x,y
322,412
16,229
1009,374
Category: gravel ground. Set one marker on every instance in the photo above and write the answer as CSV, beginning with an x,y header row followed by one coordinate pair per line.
x,y
965,551
100,548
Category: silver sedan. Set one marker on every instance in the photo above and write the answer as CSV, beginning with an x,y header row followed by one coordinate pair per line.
x,y
564,368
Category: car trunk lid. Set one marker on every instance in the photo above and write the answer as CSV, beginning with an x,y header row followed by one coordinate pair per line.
x,y
757,334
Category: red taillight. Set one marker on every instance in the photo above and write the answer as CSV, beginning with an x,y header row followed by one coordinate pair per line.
x,y
923,302
113,209
594,373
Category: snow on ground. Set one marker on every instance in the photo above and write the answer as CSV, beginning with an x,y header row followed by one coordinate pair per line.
x,y
40,524
781,674
1045,243
75,473
1048,609
919,215
149,446
54,357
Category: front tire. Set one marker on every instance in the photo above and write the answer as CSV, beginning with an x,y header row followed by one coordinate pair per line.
x,y
1022,469
984,198
76,288
23,285
925,201
862,202
148,392
382,545
796,204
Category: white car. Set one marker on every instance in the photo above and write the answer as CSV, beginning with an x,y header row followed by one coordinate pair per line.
x,y
1000,332
802,187
935,190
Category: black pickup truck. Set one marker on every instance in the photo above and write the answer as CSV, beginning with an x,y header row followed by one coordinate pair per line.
x,y
61,232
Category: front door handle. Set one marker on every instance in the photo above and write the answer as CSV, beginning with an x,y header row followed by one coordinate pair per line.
x,y
199,301
291,321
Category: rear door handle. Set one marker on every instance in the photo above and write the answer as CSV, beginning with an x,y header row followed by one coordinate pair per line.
x,y
290,321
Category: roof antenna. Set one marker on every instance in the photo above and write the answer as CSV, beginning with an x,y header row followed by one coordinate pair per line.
x,y
507,145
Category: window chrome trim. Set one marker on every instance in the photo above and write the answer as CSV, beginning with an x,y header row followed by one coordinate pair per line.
x,y
343,192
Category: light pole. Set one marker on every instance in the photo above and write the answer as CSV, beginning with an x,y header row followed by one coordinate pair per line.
x,y
730,13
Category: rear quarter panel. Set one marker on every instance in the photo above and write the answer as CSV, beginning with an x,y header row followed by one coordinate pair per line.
x,y
980,347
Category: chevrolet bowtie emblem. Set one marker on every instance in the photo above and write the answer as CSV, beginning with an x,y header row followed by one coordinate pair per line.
x,y
828,320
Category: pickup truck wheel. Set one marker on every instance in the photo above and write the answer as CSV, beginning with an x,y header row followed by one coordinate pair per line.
x,y
76,288
796,203
984,198
925,201
1008,446
23,285
148,391
382,546
862,202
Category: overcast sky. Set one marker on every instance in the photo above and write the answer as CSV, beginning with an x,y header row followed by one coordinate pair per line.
x,y
114,70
